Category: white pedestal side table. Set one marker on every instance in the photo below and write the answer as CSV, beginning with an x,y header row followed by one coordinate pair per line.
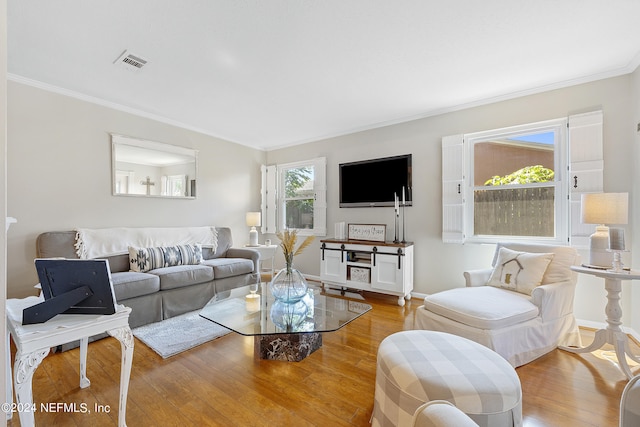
x,y
267,253
613,333
34,341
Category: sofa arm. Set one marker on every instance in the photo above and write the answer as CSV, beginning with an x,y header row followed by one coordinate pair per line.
x,y
251,254
477,277
554,300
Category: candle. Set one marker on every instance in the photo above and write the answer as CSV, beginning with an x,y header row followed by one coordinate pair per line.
x,y
252,302
616,239
395,198
403,202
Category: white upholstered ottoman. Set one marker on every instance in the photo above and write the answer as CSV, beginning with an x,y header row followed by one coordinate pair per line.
x,y
415,367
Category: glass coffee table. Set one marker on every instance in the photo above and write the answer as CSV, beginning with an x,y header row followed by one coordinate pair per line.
x,y
282,331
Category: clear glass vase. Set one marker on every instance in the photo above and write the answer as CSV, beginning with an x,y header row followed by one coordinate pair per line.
x,y
288,285
288,315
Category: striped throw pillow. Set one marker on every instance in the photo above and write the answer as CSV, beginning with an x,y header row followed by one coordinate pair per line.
x,y
145,259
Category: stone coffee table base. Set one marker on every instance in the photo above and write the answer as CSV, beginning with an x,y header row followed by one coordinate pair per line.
x,y
288,347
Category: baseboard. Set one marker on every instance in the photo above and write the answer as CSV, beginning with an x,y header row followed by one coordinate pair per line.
x,y
312,278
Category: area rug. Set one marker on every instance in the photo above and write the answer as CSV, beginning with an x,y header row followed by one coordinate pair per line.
x,y
177,334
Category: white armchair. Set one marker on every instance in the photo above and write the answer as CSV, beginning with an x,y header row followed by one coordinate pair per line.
x,y
523,315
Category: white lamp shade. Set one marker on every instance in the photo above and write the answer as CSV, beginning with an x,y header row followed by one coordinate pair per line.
x,y
605,208
254,219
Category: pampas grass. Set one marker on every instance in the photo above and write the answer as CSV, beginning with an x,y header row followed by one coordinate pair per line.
x,y
288,240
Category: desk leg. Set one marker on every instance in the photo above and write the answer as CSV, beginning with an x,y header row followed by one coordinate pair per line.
x,y
84,381
620,345
613,333
616,336
599,340
125,336
25,366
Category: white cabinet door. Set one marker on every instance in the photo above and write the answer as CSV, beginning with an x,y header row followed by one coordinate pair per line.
x,y
333,266
386,273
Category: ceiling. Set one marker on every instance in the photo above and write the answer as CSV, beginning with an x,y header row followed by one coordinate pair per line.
x,y
270,74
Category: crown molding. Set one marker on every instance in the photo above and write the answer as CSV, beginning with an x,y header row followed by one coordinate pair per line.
x,y
115,106
628,69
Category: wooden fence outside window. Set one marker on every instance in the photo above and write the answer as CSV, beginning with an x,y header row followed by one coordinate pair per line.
x,y
514,212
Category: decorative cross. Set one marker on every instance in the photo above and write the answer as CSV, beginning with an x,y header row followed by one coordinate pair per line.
x,y
148,183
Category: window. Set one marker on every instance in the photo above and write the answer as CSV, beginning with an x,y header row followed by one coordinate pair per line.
x,y
518,182
174,185
298,196
294,197
517,187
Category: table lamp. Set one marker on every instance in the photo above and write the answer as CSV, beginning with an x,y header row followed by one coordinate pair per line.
x,y
253,221
603,209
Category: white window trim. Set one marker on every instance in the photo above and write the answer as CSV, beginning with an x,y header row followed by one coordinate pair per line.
x,y
273,202
582,153
558,126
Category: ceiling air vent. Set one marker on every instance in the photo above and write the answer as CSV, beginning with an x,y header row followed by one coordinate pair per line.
x,y
130,61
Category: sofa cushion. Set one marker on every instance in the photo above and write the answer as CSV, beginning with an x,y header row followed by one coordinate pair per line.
x,y
183,275
131,284
484,307
146,259
229,267
519,271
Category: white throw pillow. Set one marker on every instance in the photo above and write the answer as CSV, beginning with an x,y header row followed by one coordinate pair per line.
x,y
519,271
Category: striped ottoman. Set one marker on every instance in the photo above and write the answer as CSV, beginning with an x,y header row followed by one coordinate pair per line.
x,y
415,367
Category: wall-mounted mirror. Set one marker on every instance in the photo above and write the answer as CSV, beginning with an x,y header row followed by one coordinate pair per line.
x,y
152,169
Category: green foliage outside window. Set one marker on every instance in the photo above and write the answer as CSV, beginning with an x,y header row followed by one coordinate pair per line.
x,y
299,204
526,175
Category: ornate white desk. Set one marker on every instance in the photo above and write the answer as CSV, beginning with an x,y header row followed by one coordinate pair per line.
x,y
34,341
613,333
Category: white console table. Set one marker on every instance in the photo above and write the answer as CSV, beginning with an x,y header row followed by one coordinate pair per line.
x,y
613,333
383,267
34,341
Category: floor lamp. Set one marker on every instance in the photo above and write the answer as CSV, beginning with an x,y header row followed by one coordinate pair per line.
x,y
601,209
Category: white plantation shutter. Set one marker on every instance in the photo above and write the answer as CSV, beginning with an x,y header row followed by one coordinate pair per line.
x,y
453,189
320,196
269,198
585,169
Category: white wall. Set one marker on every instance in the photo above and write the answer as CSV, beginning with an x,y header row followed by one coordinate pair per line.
x,y
439,266
632,294
55,142
59,176
3,193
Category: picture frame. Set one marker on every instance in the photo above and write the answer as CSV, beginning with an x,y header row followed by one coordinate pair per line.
x,y
59,276
367,232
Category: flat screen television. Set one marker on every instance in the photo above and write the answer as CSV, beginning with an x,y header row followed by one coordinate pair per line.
x,y
371,183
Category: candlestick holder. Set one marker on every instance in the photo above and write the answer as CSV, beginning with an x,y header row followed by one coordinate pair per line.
x,y
395,234
616,246
617,266
403,223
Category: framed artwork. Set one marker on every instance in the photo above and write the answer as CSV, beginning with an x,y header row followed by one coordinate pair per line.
x,y
368,232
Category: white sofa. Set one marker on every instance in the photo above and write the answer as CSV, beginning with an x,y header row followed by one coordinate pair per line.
x,y
518,326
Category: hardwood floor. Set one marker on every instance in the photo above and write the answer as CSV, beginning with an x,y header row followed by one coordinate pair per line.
x,y
220,384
